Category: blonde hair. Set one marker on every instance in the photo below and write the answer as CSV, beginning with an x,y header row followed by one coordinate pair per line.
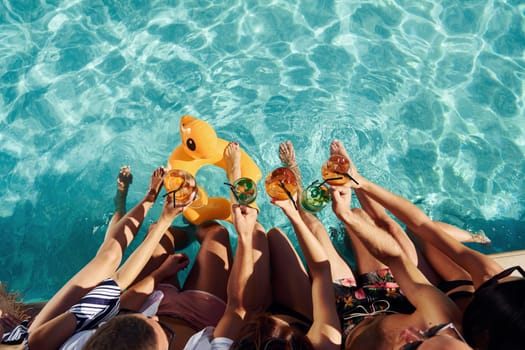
x,y
11,303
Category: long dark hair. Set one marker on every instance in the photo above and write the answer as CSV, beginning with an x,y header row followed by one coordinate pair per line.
x,y
266,333
495,318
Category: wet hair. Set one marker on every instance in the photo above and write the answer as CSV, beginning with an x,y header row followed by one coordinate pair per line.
x,y
265,333
124,332
495,318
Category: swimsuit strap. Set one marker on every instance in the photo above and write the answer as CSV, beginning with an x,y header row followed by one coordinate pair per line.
x,y
460,295
447,286
17,335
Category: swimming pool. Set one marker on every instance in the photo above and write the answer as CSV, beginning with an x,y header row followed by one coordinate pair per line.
x,y
426,95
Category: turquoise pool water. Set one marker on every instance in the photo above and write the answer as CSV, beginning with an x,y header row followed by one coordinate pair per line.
x,y
426,95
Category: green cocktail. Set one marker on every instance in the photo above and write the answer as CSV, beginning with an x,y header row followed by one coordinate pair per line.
x,y
315,197
244,190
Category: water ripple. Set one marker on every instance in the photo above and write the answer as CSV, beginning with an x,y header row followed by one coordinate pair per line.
x,y
427,95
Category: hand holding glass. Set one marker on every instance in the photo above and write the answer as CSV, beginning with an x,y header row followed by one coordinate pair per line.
x,y
315,197
244,190
335,170
181,185
281,184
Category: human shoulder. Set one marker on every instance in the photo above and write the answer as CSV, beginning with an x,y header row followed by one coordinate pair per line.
x,y
391,327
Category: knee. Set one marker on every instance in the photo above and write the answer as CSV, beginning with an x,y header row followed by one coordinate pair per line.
x,y
111,253
277,240
274,233
389,226
360,212
212,230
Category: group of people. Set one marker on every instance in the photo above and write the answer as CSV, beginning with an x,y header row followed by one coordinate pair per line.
x,y
413,287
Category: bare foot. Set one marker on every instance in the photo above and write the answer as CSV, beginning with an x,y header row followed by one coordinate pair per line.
x,y
287,156
232,157
157,178
124,179
481,238
336,147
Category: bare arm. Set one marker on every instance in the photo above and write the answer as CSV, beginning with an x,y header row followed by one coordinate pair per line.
x,y
137,293
100,267
325,332
55,332
384,247
138,259
480,266
240,298
107,259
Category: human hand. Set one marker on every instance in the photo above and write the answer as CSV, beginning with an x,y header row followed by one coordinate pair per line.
x,y
289,208
172,208
341,199
244,218
173,264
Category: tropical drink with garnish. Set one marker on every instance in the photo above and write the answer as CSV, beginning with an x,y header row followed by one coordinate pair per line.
x,y
335,169
244,190
315,197
181,185
281,184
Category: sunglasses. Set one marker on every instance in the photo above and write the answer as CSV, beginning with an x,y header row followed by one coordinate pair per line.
x,y
170,334
505,273
431,332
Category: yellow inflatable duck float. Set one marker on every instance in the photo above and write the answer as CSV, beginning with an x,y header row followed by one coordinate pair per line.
x,y
200,146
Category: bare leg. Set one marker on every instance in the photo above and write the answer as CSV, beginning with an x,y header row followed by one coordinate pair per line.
x,y
290,283
381,218
165,248
212,265
446,268
262,272
365,261
338,265
479,266
167,244
107,259
124,179
429,264
464,236
126,228
232,158
287,156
